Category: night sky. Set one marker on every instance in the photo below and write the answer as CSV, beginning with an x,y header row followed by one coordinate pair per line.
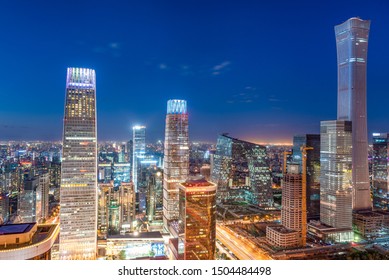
x,y
260,70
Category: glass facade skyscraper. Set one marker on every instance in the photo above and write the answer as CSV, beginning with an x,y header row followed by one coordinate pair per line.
x,y
78,195
139,150
241,171
380,170
176,157
335,175
197,224
351,43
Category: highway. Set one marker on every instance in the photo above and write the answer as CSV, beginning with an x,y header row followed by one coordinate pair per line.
x,y
243,248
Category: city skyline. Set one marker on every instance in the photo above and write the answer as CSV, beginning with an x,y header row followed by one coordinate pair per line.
x,y
222,71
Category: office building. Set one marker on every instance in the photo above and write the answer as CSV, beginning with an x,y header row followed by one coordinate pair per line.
x,y
27,201
116,212
351,44
380,171
139,150
176,158
241,171
335,178
78,196
43,196
197,223
127,206
289,234
154,209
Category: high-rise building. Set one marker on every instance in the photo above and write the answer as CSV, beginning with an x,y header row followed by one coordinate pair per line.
x,y
4,208
241,171
105,195
313,170
381,170
176,158
351,43
43,196
127,205
197,223
291,210
154,207
116,208
289,234
27,201
335,176
78,196
139,150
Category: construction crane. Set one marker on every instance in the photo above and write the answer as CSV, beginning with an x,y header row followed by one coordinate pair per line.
x,y
304,150
286,153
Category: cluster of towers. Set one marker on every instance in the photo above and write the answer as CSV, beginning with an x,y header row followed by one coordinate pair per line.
x,y
83,210
340,199
340,155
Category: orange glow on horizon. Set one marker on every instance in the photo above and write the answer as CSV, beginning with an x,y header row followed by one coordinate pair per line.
x,y
273,142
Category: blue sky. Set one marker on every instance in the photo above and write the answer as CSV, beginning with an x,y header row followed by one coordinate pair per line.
x,y
260,70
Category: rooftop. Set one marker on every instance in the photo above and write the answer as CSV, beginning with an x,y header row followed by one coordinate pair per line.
x,y
368,214
197,181
282,229
42,233
16,228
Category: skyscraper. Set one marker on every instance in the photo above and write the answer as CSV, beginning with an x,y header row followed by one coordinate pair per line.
x,y
241,171
351,43
198,219
139,150
78,196
290,233
380,170
176,157
313,170
335,175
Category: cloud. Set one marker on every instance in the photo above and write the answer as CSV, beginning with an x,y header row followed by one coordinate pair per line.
x,y
162,66
273,98
114,45
221,65
247,95
217,69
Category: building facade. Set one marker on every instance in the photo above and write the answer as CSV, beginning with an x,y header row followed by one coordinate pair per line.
x,y
351,44
176,158
139,150
78,195
241,171
197,223
289,234
335,176
380,171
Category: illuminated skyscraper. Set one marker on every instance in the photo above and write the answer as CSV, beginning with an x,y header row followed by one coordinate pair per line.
x,y
241,171
335,175
176,157
139,150
197,222
290,233
351,43
381,170
78,196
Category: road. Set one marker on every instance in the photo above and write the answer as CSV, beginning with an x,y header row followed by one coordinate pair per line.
x,y
243,248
